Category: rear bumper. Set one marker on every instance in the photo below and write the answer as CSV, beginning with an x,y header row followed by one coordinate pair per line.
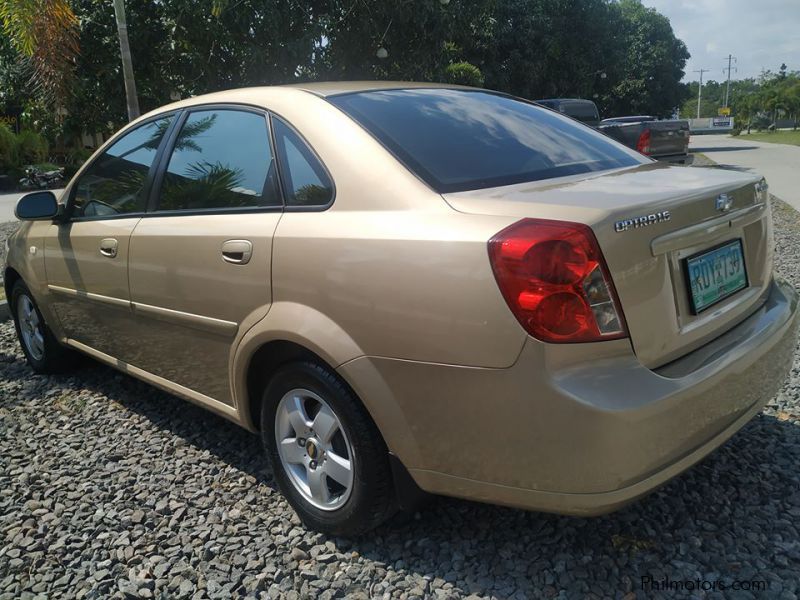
x,y
576,429
676,159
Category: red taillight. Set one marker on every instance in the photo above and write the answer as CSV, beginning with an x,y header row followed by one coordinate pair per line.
x,y
643,143
555,280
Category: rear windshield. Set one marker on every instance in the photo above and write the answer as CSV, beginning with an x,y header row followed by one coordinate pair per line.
x,y
458,140
583,111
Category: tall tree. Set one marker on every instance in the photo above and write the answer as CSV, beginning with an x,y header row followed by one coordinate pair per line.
x,y
653,63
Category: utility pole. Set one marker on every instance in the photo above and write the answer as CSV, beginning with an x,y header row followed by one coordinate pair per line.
x,y
127,64
700,89
728,88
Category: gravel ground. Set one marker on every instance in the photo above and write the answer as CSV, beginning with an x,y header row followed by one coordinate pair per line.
x,y
109,488
6,229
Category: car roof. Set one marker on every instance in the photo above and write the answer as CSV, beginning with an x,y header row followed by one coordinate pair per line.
x,y
565,100
332,88
259,96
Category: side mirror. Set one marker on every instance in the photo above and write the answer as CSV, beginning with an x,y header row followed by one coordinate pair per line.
x,y
37,206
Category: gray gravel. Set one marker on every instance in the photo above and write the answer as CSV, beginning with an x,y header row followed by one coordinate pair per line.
x,y
6,229
109,488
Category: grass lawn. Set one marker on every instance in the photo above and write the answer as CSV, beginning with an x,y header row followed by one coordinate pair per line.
x,y
776,137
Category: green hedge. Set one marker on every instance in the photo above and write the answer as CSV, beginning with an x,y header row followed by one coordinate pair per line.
x,y
8,149
18,150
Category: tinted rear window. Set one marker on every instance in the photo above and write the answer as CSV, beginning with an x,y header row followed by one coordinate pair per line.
x,y
583,111
458,140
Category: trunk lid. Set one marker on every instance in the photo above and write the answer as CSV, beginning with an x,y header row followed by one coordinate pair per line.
x,y
646,250
668,138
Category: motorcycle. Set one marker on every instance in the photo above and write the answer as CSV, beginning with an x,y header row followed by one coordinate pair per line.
x,y
37,179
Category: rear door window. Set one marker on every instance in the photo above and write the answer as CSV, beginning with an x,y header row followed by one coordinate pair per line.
x,y
458,140
221,160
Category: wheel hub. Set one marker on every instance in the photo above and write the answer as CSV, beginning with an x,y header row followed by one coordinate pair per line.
x,y
314,449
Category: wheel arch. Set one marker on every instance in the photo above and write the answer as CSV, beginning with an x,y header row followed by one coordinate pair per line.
x,y
10,277
290,332
263,365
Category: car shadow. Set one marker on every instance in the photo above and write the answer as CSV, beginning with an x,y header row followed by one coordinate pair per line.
x,y
727,167
742,492
724,148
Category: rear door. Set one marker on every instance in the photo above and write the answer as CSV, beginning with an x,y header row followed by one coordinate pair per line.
x,y
86,256
200,261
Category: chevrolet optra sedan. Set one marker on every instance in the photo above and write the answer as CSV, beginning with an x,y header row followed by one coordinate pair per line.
x,y
412,287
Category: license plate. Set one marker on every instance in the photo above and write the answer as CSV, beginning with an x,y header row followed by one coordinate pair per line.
x,y
715,274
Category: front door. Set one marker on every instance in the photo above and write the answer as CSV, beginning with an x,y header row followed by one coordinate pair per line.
x,y
200,263
86,256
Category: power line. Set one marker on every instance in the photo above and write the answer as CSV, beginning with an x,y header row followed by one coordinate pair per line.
x,y
700,88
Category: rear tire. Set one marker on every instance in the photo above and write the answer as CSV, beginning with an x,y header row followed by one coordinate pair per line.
x,y
327,455
41,349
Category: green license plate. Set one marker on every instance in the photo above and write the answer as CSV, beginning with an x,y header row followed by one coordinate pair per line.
x,y
716,274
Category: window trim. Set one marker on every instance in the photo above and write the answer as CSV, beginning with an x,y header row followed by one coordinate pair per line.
x,y
295,208
148,182
155,193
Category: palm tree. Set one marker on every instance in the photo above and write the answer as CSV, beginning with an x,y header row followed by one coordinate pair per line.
x,y
45,33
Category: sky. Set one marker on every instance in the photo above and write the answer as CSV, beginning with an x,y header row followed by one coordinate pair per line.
x,y
759,33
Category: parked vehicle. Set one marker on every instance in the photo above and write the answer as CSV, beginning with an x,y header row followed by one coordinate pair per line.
x,y
410,287
666,140
37,179
663,140
584,111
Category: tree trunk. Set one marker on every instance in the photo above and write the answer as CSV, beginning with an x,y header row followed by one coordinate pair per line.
x,y
127,63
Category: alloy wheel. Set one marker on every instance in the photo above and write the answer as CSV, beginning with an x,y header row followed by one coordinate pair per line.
x,y
314,449
30,327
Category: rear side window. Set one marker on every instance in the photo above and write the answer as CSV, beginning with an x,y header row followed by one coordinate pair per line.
x,y
458,140
305,181
221,160
114,183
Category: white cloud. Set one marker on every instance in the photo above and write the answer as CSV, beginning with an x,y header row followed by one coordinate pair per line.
x,y
760,34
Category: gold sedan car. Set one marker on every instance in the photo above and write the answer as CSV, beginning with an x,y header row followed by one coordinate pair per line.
x,y
413,288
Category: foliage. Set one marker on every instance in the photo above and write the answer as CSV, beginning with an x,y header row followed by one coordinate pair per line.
x,y
620,54
8,148
617,52
203,185
755,103
16,151
464,73
31,147
44,33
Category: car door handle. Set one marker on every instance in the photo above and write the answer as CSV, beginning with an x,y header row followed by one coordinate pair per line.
x,y
108,247
237,252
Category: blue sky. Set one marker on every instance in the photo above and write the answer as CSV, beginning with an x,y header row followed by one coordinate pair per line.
x,y
760,33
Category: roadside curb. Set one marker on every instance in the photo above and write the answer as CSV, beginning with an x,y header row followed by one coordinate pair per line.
x,y
5,313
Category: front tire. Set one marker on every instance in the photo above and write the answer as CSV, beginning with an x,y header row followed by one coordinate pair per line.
x,y
327,455
42,351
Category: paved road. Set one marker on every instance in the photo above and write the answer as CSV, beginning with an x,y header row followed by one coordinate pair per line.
x,y
779,163
9,201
